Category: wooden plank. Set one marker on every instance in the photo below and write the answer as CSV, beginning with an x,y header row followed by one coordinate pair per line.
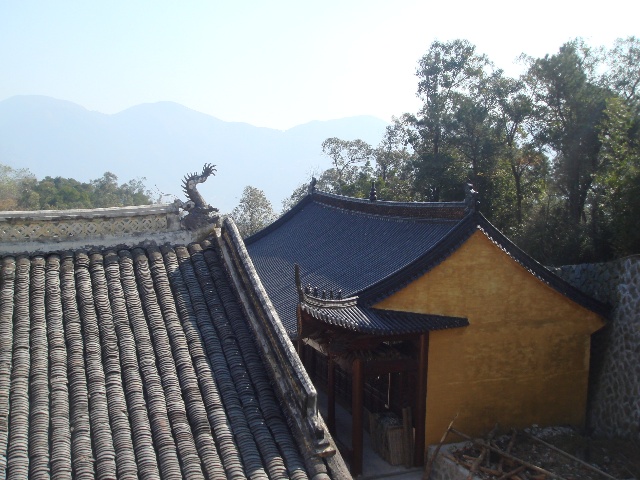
x,y
427,469
357,400
331,396
513,472
512,441
381,367
506,455
407,424
568,455
421,400
476,463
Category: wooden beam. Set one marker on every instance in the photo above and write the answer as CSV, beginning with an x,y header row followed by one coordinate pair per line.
x,y
331,396
380,367
421,400
299,344
357,399
572,457
482,443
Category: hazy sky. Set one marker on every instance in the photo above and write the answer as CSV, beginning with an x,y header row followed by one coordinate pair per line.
x,y
275,63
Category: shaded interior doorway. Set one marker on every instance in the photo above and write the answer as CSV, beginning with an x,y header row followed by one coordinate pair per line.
x,y
382,390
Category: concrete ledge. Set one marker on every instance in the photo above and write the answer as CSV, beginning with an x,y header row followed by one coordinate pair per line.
x,y
48,230
56,230
76,214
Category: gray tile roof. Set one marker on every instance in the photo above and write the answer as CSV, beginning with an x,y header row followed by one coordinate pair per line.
x,y
137,363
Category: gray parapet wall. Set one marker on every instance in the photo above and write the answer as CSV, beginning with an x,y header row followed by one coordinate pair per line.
x,y
50,230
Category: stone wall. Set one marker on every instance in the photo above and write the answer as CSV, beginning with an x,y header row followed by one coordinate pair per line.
x,y
81,223
614,399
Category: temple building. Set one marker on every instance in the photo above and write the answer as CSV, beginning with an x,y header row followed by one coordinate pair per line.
x,y
138,343
425,309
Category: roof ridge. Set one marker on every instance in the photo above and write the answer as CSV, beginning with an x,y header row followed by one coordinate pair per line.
x,y
365,206
394,209
451,241
357,200
541,272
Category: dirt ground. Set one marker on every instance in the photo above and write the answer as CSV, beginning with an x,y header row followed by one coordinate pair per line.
x,y
619,459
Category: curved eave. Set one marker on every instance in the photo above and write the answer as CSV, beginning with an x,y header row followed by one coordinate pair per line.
x,y
371,321
451,242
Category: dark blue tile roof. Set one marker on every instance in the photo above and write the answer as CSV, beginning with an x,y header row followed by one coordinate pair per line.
x,y
371,249
341,248
373,321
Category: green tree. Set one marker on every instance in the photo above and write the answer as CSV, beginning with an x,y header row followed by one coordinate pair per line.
x,y
60,193
555,155
617,186
348,158
253,213
623,71
447,74
393,164
570,104
107,193
13,182
67,193
586,102
518,154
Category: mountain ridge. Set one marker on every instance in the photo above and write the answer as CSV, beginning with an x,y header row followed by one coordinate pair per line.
x,y
163,141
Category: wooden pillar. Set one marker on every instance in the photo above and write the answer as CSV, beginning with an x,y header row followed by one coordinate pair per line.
x,y
299,343
357,400
421,399
331,395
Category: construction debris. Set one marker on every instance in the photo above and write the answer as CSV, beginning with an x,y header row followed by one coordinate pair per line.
x,y
559,453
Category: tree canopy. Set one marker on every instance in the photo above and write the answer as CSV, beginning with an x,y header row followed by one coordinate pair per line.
x,y
554,154
254,211
20,190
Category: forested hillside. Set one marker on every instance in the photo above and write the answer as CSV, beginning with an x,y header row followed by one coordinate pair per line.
x,y
21,190
163,142
554,154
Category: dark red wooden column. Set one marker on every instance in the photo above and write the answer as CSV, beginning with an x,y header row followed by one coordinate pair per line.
x,y
421,399
331,395
357,400
299,343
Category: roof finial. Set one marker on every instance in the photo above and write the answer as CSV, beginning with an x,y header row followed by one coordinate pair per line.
x,y
200,213
470,197
312,185
372,193
296,270
190,186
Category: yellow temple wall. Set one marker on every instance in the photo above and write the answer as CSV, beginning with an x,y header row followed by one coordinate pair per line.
x,y
523,359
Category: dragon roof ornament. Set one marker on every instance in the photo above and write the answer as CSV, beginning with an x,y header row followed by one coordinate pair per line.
x,y
199,212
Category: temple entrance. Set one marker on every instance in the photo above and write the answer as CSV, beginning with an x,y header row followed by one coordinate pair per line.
x,y
379,388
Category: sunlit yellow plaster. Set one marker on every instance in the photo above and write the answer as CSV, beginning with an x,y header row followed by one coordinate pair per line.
x,y
523,359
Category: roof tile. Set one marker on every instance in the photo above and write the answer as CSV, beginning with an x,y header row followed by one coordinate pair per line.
x,y
136,364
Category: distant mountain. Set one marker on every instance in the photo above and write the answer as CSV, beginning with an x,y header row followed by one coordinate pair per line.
x,y
164,141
